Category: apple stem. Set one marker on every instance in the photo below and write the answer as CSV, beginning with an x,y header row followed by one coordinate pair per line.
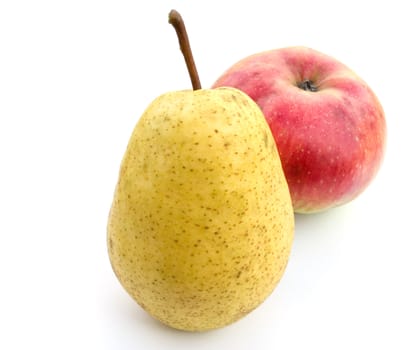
x,y
176,20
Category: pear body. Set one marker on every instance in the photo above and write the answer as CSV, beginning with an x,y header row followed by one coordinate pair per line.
x,y
201,224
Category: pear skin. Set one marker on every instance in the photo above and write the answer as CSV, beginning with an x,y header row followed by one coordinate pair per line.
x,y
201,225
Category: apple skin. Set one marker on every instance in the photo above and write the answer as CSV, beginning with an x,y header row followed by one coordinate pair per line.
x,y
328,124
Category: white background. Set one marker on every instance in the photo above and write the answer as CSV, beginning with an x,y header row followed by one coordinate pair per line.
x,y
75,77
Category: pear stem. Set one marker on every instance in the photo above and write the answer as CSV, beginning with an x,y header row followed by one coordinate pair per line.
x,y
176,20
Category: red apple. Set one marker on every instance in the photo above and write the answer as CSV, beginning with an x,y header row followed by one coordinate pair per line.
x,y
328,124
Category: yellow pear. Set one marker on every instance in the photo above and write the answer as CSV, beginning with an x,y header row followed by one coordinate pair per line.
x,y
201,224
